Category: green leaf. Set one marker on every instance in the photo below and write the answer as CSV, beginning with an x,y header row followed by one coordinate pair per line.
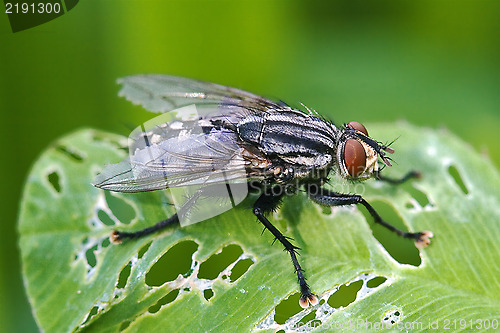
x,y
224,275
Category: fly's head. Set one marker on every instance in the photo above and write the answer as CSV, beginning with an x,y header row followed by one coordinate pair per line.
x,y
358,154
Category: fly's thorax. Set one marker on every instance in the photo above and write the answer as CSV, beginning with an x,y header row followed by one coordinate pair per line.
x,y
295,138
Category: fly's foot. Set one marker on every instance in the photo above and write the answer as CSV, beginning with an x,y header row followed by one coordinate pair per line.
x,y
115,237
414,174
422,239
307,299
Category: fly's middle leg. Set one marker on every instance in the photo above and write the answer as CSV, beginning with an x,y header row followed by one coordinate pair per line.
x,y
330,198
267,203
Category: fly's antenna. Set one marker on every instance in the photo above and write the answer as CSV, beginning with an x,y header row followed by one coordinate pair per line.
x,y
380,149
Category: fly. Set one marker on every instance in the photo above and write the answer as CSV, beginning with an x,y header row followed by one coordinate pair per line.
x,y
248,141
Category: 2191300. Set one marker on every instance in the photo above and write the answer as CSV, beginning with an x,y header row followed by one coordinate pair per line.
x,y
478,324
32,8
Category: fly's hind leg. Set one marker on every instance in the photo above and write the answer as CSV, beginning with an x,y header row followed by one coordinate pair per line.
x,y
266,203
118,236
330,198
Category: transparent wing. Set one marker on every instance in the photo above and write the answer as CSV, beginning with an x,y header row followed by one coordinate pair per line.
x,y
162,93
188,120
194,159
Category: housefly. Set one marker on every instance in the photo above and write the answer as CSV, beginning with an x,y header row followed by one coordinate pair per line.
x,y
236,138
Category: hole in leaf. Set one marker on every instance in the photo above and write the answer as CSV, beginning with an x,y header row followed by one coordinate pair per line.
x,y
345,295
100,138
104,218
401,249
392,317
177,260
70,153
418,195
452,170
287,308
124,275
121,209
208,294
106,242
311,316
376,281
91,313
240,268
169,298
124,325
214,265
90,255
54,181
143,250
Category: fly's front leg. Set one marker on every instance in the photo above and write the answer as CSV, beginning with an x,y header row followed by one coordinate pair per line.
x,y
267,203
395,181
330,198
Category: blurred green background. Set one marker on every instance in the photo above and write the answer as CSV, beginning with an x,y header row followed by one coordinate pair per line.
x,y
432,63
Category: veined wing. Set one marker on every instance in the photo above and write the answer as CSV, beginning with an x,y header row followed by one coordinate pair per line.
x,y
187,121
162,93
196,159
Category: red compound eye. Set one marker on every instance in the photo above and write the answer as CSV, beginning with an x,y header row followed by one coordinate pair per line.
x,y
358,127
354,157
